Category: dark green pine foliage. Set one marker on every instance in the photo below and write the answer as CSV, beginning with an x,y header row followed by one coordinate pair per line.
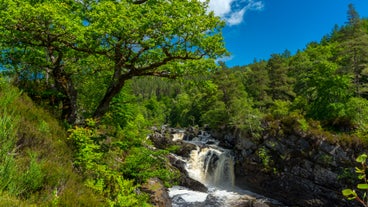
x,y
280,82
300,68
231,105
354,51
257,83
353,15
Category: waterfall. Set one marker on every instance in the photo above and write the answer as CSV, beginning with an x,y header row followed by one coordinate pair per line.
x,y
178,136
211,164
212,167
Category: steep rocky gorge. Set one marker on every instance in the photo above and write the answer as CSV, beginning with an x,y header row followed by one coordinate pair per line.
x,y
294,167
297,168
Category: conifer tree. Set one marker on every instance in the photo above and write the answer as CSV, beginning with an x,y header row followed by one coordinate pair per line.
x,y
355,51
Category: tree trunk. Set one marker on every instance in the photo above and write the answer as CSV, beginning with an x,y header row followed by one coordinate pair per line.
x,y
64,85
111,92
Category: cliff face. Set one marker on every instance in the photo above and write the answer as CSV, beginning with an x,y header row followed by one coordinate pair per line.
x,y
297,168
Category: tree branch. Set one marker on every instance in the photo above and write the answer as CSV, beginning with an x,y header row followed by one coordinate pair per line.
x,y
167,60
139,1
163,74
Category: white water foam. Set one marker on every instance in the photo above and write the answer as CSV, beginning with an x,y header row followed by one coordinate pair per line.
x,y
188,195
178,136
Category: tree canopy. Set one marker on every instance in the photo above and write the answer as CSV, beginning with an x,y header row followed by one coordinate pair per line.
x,y
66,44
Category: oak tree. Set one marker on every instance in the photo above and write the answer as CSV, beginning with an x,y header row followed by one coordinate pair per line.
x,y
111,40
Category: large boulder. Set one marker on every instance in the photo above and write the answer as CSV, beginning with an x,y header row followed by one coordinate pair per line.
x,y
159,196
164,139
183,148
161,140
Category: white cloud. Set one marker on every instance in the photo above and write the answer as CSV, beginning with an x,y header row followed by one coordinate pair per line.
x,y
232,11
225,58
220,7
235,17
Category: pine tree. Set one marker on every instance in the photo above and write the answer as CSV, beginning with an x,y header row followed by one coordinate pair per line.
x,y
280,82
355,51
352,16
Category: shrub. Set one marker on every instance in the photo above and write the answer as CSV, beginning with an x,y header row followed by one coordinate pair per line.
x,y
142,164
351,194
100,161
280,108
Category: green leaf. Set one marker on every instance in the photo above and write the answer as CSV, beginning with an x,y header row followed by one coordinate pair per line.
x,y
358,170
349,194
362,186
361,177
362,158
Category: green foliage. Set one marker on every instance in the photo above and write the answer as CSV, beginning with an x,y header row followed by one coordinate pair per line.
x,y
280,108
114,160
14,179
304,125
264,155
99,176
257,83
25,182
328,92
88,151
280,82
156,112
34,158
266,159
231,105
117,190
180,114
245,117
216,116
93,44
351,194
8,173
124,108
357,111
84,55
143,164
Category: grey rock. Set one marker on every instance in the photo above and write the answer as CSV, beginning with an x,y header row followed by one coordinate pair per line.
x,y
159,196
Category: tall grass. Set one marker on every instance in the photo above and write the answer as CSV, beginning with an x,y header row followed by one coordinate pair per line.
x,y
8,130
35,161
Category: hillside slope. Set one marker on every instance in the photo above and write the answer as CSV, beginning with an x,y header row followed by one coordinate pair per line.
x,y
35,161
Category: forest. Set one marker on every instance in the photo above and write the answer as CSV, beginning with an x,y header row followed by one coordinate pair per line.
x,y
83,83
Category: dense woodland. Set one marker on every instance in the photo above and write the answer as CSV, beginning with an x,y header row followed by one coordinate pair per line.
x,y
84,81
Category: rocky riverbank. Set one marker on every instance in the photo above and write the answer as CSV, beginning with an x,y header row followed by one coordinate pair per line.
x,y
296,168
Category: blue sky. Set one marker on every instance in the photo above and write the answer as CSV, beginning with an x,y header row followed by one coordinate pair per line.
x,y
259,28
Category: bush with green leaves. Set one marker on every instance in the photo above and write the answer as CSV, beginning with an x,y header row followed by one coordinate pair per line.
x,y
361,171
89,156
142,164
114,161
